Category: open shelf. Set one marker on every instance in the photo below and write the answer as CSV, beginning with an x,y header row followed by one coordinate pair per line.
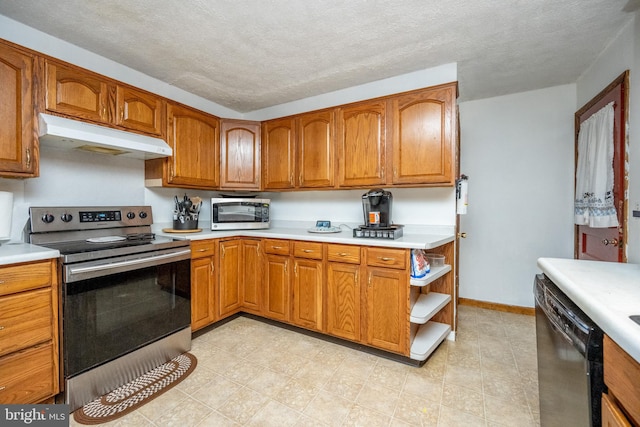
x,y
435,273
427,339
427,305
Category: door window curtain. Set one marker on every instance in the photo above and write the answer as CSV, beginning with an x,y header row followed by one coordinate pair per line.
x,y
594,202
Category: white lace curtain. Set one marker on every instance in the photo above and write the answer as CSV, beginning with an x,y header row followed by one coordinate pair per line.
x,y
594,201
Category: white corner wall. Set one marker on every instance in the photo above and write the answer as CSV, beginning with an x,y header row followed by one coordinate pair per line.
x,y
518,151
622,54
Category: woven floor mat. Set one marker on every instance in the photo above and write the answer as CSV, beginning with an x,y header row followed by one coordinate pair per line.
x,y
136,393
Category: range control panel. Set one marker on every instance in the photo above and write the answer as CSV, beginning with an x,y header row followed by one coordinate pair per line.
x,y
45,219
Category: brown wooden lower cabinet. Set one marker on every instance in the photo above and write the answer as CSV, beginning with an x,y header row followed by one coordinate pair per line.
x,y
203,284
357,293
29,344
277,287
612,416
621,405
343,302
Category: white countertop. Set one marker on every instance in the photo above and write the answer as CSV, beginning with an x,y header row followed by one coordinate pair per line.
x,y
413,237
607,292
13,253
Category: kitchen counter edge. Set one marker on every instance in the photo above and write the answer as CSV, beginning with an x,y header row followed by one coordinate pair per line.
x,y
607,292
15,253
407,241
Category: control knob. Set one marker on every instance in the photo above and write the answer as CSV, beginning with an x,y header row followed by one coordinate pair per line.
x,y
143,214
131,215
48,218
66,217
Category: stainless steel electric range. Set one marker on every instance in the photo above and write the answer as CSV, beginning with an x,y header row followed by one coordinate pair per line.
x,y
125,294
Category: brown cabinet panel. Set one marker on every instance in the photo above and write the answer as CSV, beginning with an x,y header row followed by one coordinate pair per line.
x,y
194,138
423,136
17,135
75,92
385,257
309,250
307,293
612,415
231,272
622,376
252,278
203,306
362,144
277,287
22,277
315,149
25,320
28,376
343,305
240,155
139,111
278,154
387,319
343,253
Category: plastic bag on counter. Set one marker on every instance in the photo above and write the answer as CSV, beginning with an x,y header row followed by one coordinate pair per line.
x,y
419,264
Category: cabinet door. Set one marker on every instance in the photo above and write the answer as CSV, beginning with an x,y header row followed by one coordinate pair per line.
x,y
612,415
17,155
138,110
387,319
231,271
315,145
252,279
343,305
277,276
203,309
240,155
278,154
76,93
193,136
423,137
307,293
362,144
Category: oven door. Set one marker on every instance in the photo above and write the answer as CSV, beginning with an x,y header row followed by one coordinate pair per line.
x,y
113,307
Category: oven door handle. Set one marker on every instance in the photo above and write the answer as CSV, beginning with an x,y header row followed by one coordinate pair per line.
x,y
125,265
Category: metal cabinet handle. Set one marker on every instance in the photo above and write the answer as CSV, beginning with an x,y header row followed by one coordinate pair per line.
x,y
307,251
612,242
2,387
1,328
276,247
201,250
28,157
342,254
384,258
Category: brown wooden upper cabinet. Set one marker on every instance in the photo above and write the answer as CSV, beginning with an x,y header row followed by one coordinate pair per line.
x,y
298,151
362,144
278,154
423,128
88,96
240,155
17,138
194,138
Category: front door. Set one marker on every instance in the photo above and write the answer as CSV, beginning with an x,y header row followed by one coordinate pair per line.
x,y
607,244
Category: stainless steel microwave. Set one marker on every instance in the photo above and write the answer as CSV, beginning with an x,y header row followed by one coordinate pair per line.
x,y
239,213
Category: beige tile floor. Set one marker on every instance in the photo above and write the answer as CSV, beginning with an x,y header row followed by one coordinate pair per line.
x,y
250,373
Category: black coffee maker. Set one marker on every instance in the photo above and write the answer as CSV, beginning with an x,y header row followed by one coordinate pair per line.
x,y
376,206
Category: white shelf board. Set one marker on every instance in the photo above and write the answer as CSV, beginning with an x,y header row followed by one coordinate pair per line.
x,y
427,305
427,339
435,273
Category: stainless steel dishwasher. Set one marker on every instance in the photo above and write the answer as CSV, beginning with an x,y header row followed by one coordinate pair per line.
x,y
569,348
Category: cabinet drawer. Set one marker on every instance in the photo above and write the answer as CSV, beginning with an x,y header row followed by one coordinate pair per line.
x,y
17,278
383,257
276,246
25,320
344,253
307,250
622,376
27,376
201,249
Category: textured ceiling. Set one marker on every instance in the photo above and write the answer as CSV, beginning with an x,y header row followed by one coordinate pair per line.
x,y
251,54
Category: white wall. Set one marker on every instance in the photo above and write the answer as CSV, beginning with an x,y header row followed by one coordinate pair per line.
x,y
622,54
518,151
